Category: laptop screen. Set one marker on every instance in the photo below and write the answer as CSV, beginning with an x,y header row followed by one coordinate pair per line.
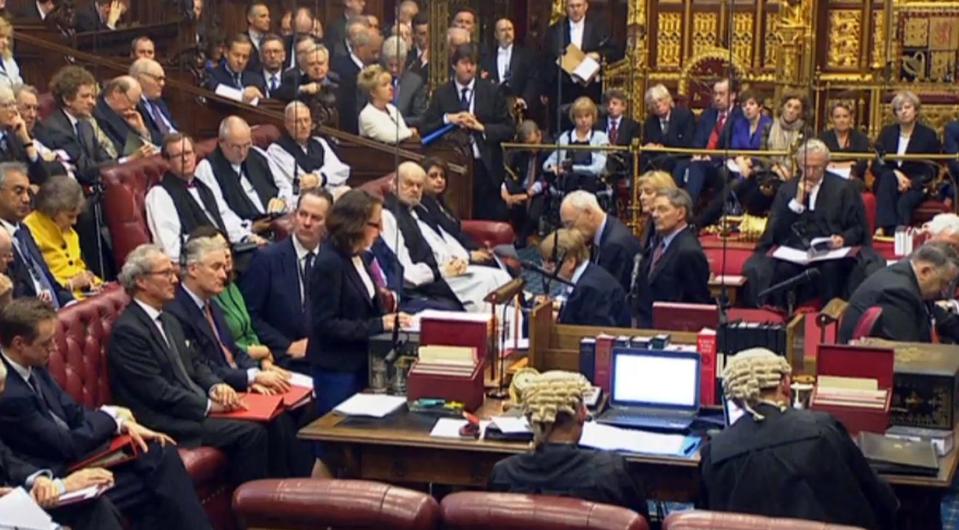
x,y
656,378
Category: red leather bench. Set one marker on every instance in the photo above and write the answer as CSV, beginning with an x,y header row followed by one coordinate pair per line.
x,y
474,510
80,366
307,504
704,520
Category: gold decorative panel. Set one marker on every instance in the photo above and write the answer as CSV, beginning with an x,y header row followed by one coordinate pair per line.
x,y
669,40
944,33
704,31
772,42
916,32
743,36
878,39
844,31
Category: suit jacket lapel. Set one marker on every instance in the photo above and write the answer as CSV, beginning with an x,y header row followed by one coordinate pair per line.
x,y
667,256
291,269
358,283
168,348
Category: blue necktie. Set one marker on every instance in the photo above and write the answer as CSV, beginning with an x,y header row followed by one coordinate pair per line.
x,y
464,99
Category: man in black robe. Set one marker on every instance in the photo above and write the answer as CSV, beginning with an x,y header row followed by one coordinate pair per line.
x,y
778,461
553,404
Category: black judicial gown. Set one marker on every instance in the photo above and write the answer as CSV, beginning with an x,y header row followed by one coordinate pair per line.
x,y
796,463
566,470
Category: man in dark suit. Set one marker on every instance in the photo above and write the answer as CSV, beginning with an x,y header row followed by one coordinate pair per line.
x,y
409,88
204,274
155,112
99,15
49,429
337,32
29,272
612,246
117,115
478,108
160,376
272,59
233,72
591,35
257,26
35,11
713,132
677,270
16,145
418,59
620,129
905,292
364,50
666,126
816,205
274,285
311,77
514,68
950,145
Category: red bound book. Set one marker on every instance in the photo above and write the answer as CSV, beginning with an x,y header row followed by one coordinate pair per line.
x,y
259,407
604,359
121,449
707,346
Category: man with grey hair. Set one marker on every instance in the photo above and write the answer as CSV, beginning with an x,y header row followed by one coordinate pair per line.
x,y
238,172
300,160
116,113
612,245
364,50
409,88
816,211
311,77
151,106
163,379
666,126
677,269
338,31
905,292
16,142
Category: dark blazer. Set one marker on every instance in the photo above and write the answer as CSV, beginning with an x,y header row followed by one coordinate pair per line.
x,y
115,127
489,106
596,300
858,143
680,275
596,38
617,251
13,470
342,315
38,170
923,141
707,122
88,19
292,79
151,122
197,330
56,132
950,139
905,315
411,98
523,80
220,75
19,272
254,64
438,213
27,427
28,12
682,128
348,99
144,378
271,289
628,129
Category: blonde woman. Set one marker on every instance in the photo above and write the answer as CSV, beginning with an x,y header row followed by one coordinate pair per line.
x,y
379,119
9,69
648,185
580,169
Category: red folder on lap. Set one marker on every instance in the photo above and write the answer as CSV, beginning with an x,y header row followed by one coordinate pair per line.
x,y
259,407
297,397
121,450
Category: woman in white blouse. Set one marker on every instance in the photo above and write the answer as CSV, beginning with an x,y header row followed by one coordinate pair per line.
x,y
379,119
9,70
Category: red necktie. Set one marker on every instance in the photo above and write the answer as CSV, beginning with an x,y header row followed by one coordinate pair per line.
x,y
717,131
613,133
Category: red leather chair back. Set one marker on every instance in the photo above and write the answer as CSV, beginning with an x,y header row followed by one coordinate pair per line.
x,y
338,504
124,192
869,201
262,137
735,259
79,365
47,106
703,520
474,510
489,233
867,321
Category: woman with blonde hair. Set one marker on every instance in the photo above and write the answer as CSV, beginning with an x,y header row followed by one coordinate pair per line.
x,y
648,184
579,169
380,119
9,69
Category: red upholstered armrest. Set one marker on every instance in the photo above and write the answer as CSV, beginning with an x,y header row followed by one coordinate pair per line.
x,y
124,192
703,520
869,202
489,233
318,503
475,510
380,187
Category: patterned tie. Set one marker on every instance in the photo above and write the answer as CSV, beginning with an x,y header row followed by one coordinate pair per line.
x,y
227,354
22,243
158,118
237,81
613,132
657,255
274,83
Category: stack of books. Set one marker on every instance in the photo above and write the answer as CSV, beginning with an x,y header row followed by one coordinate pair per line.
x,y
449,373
445,360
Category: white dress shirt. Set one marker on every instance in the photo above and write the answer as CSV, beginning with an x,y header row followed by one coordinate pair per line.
x,y
164,223
576,32
503,57
364,275
204,172
282,163
901,148
383,126
301,254
471,97
798,207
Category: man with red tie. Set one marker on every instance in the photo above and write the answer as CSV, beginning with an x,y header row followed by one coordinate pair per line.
x,y
713,132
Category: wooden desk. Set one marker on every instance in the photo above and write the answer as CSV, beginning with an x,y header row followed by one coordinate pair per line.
x,y
399,448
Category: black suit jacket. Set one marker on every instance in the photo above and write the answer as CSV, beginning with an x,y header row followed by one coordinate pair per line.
x,y
254,64
348,100
596,38
905,315
88,19
151,122
950,145
292,79
56,132
38,170
439,214
271,289
13,470
197,330
617,251
115,127
27,427
858,143
28,12
628,129
596,300
922,141
523,78
220,75
19,272
489,106
144,378
682,126
680,275
343,316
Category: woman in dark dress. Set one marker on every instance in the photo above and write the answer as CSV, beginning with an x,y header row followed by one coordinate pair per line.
x,y
440,213
345,309
845,138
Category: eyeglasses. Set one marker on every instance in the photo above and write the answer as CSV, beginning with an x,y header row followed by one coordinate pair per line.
x,y
157,78
378,226
169,273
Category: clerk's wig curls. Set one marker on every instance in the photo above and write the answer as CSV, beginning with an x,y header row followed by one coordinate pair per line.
x,y
549,397
750,372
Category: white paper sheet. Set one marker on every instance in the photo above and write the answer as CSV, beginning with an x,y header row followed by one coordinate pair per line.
x,y
18,510
297,379
801,257
609,438
373,405
511,424
450,428
82,494
229,92
586,69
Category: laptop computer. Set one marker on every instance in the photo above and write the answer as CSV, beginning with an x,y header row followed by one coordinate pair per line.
x,y
654,389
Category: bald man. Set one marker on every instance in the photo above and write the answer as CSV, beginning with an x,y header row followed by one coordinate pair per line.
x,y
116,113
156,114
239,172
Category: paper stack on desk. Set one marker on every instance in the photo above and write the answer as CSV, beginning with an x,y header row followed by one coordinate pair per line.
x,y
372,405
450,428
609,438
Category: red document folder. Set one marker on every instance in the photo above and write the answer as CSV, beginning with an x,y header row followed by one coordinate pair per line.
x,y
296,397
259,407
122,449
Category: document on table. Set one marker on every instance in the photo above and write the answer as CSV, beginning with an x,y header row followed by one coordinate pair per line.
x,y
19,511
373,405
802,257
511,424
450,428
609,438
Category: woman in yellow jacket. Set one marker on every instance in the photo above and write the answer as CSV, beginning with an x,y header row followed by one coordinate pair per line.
x,y
58,203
